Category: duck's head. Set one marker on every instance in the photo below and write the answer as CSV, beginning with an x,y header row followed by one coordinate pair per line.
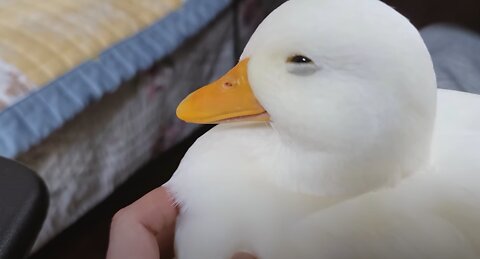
x,y
348,85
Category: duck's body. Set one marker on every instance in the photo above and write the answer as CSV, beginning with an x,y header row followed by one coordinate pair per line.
x,y
350,160
432,214
229,204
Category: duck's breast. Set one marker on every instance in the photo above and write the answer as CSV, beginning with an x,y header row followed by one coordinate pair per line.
x,y
224,192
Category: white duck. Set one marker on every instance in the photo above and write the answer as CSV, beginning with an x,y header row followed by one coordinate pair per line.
x,y
342,156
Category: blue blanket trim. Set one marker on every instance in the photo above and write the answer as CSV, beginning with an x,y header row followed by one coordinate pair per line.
x,y
38,115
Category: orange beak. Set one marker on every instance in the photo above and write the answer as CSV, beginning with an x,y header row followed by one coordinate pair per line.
x,y
230,98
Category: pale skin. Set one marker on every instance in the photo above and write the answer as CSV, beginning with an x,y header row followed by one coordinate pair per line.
x,y
145,229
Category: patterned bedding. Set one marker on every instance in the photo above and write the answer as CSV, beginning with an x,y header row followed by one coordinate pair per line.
x,y
45,39
58,56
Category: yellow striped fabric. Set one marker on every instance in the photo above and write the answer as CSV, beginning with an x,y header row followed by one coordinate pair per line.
x,y
44,39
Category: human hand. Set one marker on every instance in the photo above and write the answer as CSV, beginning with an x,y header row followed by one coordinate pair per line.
x,y
146,228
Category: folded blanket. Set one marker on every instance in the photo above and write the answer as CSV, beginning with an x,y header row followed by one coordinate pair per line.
x,y
44,39
57,56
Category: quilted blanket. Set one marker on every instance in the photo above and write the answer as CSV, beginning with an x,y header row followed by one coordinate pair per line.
x,y
57,56
40,40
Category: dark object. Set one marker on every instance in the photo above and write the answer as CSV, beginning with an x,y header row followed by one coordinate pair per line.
x,y
465,13
23,207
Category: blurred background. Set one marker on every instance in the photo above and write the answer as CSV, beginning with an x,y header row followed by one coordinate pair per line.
x,y
88,91
425,12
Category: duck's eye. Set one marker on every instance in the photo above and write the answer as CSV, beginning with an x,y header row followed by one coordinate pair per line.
x,y
299,59
301,65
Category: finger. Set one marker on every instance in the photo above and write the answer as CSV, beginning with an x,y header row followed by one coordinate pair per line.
x,y
145,228
157,212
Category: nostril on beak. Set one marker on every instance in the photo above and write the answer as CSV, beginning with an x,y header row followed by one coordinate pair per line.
x,y
227,84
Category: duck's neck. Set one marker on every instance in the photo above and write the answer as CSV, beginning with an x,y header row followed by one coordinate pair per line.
x,y
328,172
